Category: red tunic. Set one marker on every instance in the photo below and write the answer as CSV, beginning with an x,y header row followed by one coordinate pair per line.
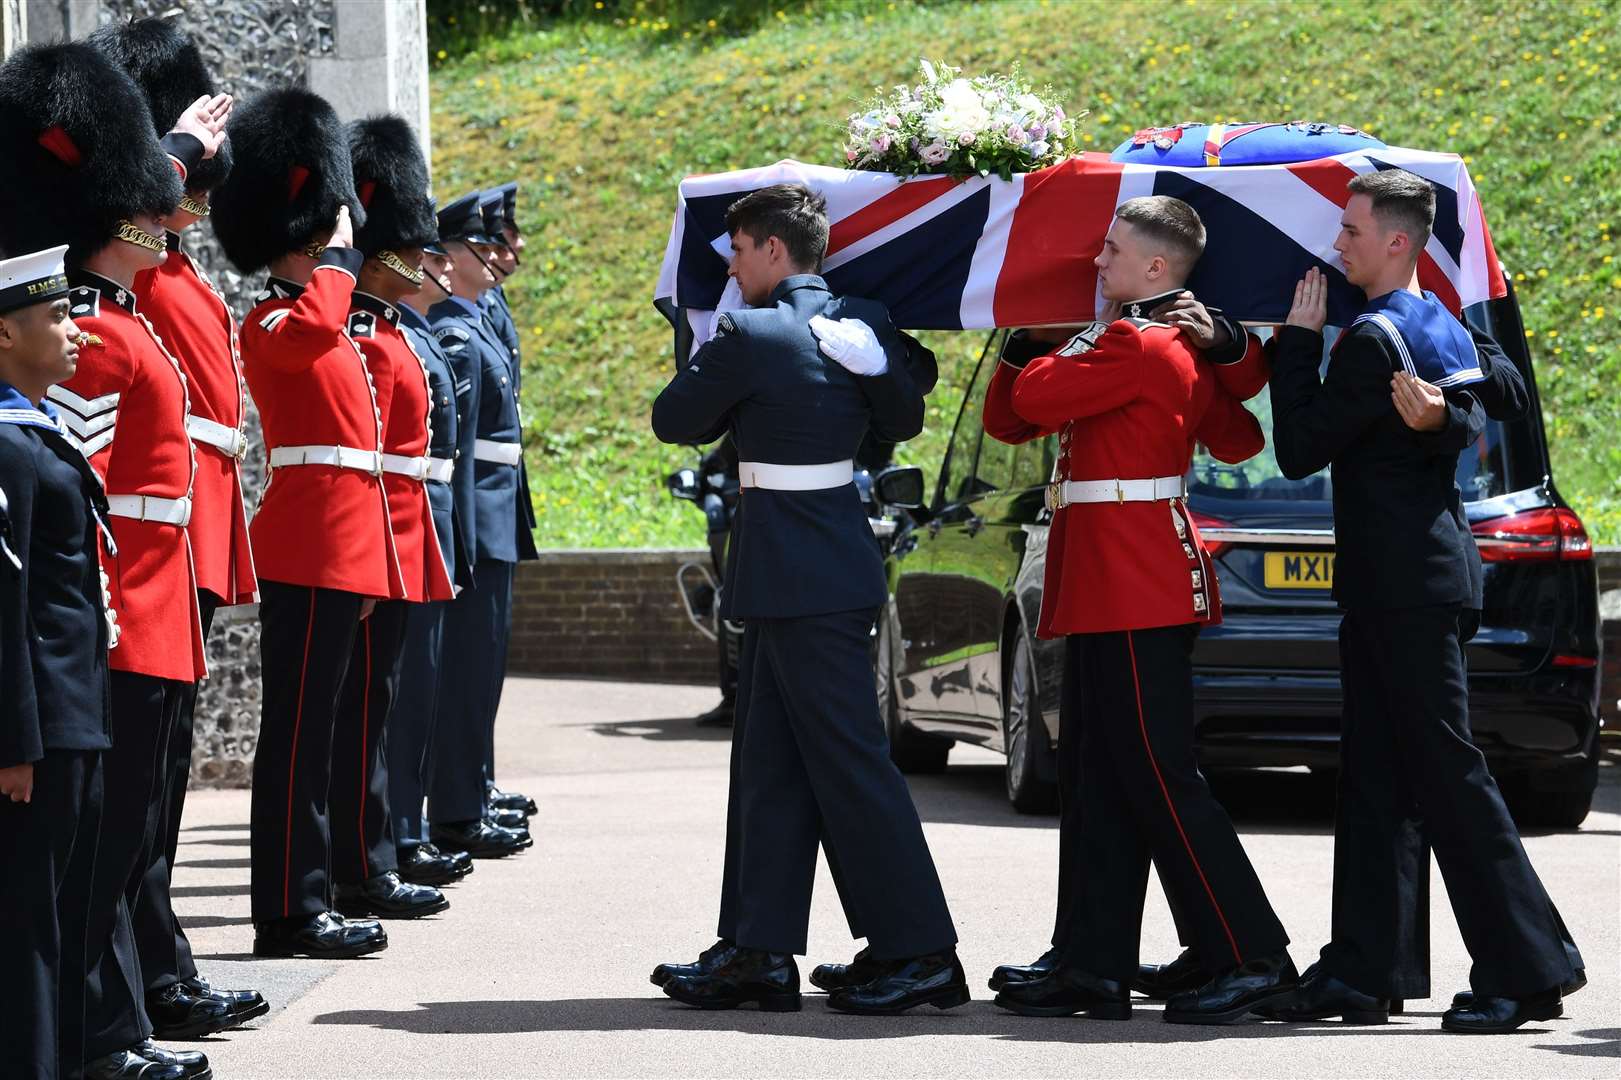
x,y
126,408
193,322
402,396
1130,407
324,526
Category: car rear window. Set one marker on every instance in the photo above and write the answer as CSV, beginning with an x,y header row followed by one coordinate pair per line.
x,y
1483,469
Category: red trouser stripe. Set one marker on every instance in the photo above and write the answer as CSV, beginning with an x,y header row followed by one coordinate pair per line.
x,y
292,766
365,719
1142,725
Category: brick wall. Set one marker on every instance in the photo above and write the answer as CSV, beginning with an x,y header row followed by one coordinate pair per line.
x,y
610,613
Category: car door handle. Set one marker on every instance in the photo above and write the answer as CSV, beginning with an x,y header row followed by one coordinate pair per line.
x,y
973,525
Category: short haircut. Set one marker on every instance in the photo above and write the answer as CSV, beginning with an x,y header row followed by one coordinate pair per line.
x,y
1402,201
1167,221
793,213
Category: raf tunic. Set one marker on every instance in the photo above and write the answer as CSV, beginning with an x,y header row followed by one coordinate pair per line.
x,y
1129,583
806,572
1406,572
54,713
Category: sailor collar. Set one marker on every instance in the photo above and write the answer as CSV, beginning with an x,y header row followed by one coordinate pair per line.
x,y
15,408
85,287
1139,309
377,306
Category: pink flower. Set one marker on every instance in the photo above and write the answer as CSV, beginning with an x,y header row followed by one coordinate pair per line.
x,y
1015,134
966,138
880,145
1038,132
1058,115
849,155
892,120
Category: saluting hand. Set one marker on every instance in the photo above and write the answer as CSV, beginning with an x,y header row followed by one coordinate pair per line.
x,y
343,233
17,783
1310,310
204,119
1422,407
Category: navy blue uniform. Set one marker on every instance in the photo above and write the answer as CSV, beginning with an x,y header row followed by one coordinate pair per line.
x,y
477,622
411,736
54,713
1408,577
805,571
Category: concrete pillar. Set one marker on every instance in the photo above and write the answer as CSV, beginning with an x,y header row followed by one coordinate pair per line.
x,y
379,62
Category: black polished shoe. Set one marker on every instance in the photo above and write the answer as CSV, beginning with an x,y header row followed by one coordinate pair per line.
x,y
460,861
128,1065
858,972
321,937
177,1012
1500,1015
1007,974
516,820
1065,991
477,838
770,980
387,897
1159,982
708,960
1319,995
512,800
420,867
1230,996
192,1065
721,715
1463,999
245,1005
935,979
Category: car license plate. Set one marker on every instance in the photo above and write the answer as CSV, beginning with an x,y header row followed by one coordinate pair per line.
x,y
1299,569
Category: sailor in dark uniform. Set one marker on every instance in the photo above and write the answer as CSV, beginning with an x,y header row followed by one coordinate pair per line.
x,y
54,715
476,620
1407,575
412,731
798,379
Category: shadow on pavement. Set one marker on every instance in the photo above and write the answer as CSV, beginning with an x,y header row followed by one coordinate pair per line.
x,y
216,828
979,1018
1609,1044
215,864
209,890
674,729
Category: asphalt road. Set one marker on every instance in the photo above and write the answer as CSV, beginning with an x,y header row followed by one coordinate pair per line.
x,y
539,967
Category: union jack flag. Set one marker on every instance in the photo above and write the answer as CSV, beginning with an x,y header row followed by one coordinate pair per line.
x,y
949,255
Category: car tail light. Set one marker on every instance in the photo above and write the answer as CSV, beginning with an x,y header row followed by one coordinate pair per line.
x,y
1535,535
1204,523
1568,660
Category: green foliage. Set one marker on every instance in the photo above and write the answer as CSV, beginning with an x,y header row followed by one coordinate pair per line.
x,y
601,114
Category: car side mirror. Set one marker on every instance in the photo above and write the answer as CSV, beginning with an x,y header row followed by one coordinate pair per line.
x,y
900,486
683,484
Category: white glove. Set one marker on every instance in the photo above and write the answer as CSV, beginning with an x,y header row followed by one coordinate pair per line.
x,y
851,343
114,631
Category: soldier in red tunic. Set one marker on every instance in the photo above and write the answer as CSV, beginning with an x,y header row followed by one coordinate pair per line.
x,y
194,323
321,537
83,165
391,178
1129,584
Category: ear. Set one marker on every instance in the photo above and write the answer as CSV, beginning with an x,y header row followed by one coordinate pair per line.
x,y
7,335
1157,267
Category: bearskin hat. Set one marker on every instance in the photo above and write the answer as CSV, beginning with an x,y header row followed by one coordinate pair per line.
x,y
391,178
77,155
168,67
292,174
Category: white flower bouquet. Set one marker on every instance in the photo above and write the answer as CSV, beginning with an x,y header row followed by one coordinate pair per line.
x,y
960,127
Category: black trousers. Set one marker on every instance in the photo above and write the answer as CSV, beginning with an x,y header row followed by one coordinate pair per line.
x,y
1127,730
734,816
815,760
474,663
42,946
411,723
501,627
362,827
165,952
307,637
144,712
1406,755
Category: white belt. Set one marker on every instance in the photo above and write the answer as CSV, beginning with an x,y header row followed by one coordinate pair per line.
x,y
1066,492
150,508
344,457
760,474
502,453
229,439
419,468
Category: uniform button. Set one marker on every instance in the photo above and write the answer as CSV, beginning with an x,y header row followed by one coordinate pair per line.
x,y
503,380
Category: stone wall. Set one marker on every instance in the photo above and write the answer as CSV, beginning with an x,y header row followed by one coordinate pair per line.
x,y
610,614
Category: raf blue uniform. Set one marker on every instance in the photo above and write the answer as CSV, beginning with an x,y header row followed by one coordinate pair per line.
x,y
478,620
412,735
804,571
